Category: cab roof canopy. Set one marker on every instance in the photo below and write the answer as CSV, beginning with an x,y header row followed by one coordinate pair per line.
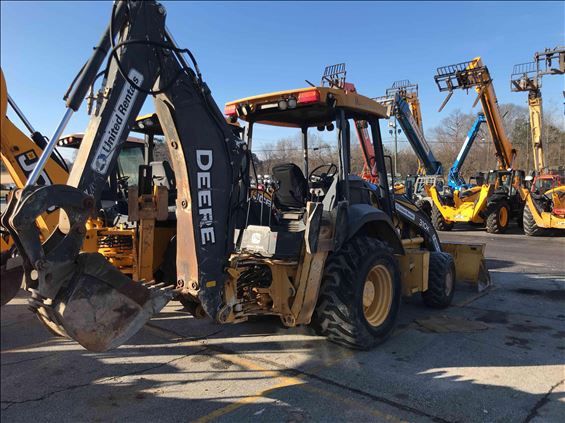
x,y
304,107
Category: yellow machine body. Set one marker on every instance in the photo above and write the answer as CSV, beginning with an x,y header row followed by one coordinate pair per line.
x,y
469,262
466,208
554,219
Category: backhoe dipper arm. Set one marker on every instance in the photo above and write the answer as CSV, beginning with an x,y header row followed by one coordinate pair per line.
x,y
455,180
475,74
207,160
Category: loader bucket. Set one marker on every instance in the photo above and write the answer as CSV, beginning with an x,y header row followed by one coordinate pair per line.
x,y
470,264
11,277
101,308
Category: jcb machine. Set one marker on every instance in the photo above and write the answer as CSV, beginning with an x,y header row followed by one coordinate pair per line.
x,y
497,201
326,250
544,211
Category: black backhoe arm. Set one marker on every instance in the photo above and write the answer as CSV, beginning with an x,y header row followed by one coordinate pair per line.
x,y
76,289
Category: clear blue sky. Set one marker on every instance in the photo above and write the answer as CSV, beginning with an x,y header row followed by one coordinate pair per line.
x,y
250,48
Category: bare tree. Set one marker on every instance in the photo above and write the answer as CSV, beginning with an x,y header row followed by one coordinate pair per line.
x,y
448,137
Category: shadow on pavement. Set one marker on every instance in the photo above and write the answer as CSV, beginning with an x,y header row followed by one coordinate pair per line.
x,y
179,368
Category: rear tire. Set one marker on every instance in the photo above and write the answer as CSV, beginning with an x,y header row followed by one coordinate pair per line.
x,y
497,220
530,226
441,281
360,294
439,222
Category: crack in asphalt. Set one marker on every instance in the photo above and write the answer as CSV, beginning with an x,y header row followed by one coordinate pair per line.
x,y
82,385
296,372
25,360
542,401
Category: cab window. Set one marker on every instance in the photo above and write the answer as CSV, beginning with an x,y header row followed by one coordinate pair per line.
x,y
129,161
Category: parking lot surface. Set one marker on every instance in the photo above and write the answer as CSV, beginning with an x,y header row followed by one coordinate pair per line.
x,y
495,356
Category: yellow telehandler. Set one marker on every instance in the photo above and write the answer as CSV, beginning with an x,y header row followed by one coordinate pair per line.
x,y
497,201
544,210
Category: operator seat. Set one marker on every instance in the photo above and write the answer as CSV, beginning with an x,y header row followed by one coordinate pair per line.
x,y
293,187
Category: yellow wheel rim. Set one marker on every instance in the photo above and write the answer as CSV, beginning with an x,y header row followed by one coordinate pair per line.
x,y
503,216
377,295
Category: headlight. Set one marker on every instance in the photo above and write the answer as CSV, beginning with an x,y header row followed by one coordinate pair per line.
x,y
292,103
283,105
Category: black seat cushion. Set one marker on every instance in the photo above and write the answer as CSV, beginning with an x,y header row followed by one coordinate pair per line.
x,y
293,187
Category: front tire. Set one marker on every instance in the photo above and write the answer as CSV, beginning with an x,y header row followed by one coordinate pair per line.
x,y
441,280
530,226
439,222
497,220
360,294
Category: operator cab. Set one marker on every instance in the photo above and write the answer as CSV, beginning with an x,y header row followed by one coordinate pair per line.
x,y
509,181
141,163
277,212
113,200
544,183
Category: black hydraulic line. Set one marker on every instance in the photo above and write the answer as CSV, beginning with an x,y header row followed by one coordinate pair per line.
x,y
88,74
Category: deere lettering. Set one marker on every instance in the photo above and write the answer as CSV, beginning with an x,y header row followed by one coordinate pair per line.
x,y
204,160
115,128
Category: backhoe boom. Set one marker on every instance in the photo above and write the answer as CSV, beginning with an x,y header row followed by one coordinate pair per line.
x,y
207,159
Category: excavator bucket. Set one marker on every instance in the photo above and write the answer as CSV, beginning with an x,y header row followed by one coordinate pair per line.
x,y
83,297
101,308
470,264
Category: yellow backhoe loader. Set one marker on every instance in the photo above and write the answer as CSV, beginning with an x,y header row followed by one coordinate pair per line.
x,y
544,210
326,249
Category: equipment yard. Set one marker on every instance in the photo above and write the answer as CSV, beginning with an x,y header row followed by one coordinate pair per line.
x,y
494,356
224,243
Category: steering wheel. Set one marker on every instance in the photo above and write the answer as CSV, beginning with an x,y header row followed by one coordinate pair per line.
x,y
316,176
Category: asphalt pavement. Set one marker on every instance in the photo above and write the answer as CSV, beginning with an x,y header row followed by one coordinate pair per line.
x,y
495,356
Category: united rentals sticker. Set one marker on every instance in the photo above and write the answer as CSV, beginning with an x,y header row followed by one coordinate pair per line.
x,y
113,132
